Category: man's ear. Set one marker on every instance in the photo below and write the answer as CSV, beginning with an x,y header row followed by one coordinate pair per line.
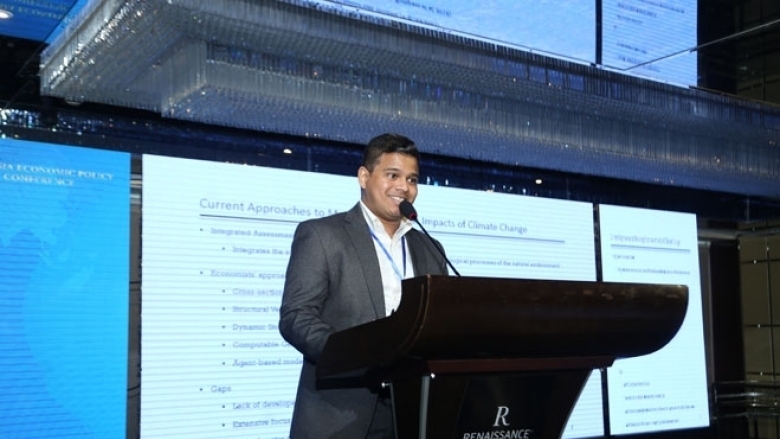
x,y
363,175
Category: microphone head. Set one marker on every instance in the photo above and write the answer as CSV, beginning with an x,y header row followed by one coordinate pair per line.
x,y
407,210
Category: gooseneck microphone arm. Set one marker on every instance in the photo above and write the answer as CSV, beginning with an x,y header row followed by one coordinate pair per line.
x,y
409,212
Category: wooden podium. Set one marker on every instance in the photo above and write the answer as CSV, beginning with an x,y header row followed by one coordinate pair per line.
x,y
487,358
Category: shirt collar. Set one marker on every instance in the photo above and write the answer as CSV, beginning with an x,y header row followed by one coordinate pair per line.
x,y
375,223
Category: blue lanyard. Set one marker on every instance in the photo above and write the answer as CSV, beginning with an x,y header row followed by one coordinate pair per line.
x,y
390,257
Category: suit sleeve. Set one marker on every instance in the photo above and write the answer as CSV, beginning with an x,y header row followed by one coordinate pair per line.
x,y
305,292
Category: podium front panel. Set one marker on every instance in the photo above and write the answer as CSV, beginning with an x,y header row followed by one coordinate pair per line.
x,y
532,405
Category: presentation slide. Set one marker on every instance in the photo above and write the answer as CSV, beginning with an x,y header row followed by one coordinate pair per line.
x,y
215,244
491,234
636,32
667,389
64,291
215,252
550,26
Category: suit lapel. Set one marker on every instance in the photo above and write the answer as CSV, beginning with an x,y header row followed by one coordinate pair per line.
x,y
357,229
419,261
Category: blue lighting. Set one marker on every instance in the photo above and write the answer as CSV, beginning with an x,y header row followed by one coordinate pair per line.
x,y
38,21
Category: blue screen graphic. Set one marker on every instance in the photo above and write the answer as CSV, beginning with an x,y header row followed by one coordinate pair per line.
x,y
64,265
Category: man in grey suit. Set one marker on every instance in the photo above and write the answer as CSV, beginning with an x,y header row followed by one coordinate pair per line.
x,y
346,270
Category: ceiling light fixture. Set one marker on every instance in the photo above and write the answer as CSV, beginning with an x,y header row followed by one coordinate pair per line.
x,y
4,15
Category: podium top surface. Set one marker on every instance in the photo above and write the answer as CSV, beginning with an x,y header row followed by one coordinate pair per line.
x,y
468,318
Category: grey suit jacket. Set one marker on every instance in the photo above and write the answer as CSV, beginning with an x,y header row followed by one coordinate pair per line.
x,y
333,283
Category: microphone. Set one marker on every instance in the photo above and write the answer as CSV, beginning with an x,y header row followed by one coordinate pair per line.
x,y
409,212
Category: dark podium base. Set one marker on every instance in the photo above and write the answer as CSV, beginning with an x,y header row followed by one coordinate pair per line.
x,y
442,403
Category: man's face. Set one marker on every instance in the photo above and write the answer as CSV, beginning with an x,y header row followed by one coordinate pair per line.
x,y
393,180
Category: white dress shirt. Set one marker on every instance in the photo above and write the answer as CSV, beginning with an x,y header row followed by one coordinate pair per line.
x,y
391,263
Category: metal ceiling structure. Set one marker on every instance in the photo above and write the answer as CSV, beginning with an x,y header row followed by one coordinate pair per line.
x,y
287,67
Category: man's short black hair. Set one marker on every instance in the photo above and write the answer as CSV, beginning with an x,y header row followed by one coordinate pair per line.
x,y
385,144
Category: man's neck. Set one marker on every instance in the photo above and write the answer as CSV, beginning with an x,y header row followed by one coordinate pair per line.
x,y
391,227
